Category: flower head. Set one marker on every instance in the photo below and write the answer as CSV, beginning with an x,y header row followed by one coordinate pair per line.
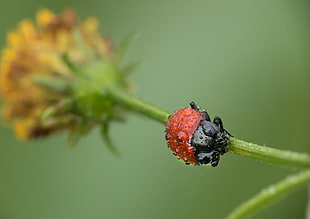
x,y
52,74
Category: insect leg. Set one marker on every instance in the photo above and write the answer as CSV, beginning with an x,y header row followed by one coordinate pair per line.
x,y
194,106
218,121
206,115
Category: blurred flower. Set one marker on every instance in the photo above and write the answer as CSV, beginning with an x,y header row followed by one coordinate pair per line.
x,y
52,74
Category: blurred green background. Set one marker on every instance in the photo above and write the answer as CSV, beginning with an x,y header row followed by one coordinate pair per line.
x,y
246,61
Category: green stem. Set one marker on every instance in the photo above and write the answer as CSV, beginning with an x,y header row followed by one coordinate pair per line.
x,y
137,105
270,155
267,154
271,193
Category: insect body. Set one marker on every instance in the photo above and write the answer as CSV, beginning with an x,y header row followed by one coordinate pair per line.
x,y
192,136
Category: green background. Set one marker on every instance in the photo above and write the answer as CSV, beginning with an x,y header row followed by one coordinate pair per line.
x,y
246,61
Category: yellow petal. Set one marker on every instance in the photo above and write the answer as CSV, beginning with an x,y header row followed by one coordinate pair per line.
x,y
45,17
21,130
90,25
27,29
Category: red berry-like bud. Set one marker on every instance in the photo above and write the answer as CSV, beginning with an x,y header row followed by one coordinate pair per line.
x,y
179,131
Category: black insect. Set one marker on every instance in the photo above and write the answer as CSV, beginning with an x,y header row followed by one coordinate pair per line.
x,y
209,140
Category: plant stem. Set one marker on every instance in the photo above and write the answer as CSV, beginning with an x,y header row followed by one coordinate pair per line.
x,y
270,193
137,105
270,155
267,154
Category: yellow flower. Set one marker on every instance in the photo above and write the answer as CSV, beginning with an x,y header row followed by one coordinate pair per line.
x,y
37,72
